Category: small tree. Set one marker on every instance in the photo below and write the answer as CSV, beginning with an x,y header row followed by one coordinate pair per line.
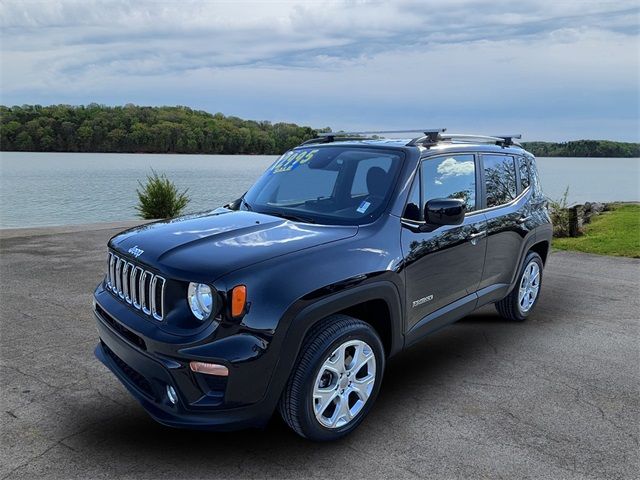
x,y
560,215
160,198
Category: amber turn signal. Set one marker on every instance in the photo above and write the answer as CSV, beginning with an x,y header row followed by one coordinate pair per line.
x,y
209,369
238,300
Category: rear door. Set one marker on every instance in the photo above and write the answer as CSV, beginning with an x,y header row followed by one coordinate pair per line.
x,y
507,210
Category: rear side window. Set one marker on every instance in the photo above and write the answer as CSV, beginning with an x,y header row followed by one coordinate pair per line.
x,y
525,176
452,176
500,179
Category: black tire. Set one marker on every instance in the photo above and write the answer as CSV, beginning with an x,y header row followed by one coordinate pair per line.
x,y
509,307
322,340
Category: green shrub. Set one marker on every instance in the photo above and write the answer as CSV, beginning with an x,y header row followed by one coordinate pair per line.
x,y
560,215
160,198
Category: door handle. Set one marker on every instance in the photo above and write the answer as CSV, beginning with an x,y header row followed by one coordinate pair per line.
x,y
477,234
524,219
474,237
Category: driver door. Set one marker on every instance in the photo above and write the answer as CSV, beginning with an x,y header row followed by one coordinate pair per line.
x,y
443,267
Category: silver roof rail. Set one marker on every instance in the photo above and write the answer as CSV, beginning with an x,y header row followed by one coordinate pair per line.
x,y
328,137
429,137
503,140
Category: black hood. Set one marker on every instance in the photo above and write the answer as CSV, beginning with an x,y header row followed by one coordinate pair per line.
x,y
206,246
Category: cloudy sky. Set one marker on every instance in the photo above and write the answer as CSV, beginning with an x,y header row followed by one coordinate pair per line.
x,y
554,70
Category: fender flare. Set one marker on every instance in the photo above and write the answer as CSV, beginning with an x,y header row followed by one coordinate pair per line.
x,y
527,245
302,321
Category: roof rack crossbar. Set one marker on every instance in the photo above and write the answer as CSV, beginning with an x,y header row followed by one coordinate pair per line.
x,y
503,140
508,139
430,137
328,137
376,132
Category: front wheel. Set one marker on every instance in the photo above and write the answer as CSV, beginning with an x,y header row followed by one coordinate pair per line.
x,y
336,379
520,302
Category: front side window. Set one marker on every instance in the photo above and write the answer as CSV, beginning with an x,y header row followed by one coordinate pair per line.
x,y
332,185
453,176
500,179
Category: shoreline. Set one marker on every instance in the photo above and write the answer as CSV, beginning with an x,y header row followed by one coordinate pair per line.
x,y
20,232
246,154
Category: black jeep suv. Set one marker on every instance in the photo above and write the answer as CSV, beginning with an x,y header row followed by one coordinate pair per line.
x,y
347,250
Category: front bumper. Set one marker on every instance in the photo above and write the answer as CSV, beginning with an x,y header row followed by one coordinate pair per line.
x,y
146,375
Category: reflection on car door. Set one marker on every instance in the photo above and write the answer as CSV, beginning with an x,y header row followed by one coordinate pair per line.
x,y
507,212
443,266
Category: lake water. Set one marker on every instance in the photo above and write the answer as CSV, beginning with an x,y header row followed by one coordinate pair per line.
x,y
40,189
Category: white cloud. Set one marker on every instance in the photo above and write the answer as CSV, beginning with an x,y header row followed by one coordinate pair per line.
x,y
475,65
451,167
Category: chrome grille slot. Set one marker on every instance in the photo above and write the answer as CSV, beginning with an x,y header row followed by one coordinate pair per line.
x,y
108,279
112,272
118,288
156,293
125,282
145,283
135,287
140,288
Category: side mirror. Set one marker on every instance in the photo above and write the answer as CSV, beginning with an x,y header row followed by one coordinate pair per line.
x,y
445,211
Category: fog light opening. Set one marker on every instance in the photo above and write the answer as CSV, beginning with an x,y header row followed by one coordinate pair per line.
x,y
172,396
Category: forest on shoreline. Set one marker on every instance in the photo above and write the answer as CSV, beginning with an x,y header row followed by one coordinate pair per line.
x,y
138,129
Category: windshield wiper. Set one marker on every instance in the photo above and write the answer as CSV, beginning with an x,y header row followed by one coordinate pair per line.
x,y
291,216
247,205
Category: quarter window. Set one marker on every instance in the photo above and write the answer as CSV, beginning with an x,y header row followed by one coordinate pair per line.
x,y
525,179
500,179
453,176
412,210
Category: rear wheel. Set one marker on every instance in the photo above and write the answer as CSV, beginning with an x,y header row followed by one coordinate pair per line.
x,y
336,379
520,302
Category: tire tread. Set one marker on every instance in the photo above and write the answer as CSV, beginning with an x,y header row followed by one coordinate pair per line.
x,y
315,341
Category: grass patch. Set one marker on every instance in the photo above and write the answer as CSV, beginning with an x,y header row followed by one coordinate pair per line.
x,y
616,232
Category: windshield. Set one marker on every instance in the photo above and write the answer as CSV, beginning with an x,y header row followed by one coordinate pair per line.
x,y
331,185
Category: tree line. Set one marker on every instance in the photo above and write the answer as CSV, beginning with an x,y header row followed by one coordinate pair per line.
x,y
583,148
136,129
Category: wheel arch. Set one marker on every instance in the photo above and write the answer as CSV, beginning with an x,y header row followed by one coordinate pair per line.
x,y
542,249
356,300
377,304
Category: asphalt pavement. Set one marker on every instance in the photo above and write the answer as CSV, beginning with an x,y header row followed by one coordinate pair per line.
x,y
555,397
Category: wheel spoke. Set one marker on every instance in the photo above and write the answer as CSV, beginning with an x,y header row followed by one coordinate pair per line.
x,y
336,362
341,415
326,396
363,387
534,291
360,359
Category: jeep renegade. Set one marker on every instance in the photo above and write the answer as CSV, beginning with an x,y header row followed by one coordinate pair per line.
x,y
346,251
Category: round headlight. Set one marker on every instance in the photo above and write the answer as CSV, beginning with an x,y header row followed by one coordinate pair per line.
x,y
200,299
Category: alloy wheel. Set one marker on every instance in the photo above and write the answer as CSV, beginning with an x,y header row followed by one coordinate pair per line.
x,y
344,384
529,287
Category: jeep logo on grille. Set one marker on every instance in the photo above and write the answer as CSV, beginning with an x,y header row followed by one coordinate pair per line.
x,y
135,251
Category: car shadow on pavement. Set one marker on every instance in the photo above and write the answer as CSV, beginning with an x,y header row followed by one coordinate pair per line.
x,y
430,362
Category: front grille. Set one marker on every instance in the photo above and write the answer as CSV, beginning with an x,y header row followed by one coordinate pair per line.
x,y
136,286
121,329
137,379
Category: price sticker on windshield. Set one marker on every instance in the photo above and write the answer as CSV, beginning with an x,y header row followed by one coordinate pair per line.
x,y
292,160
